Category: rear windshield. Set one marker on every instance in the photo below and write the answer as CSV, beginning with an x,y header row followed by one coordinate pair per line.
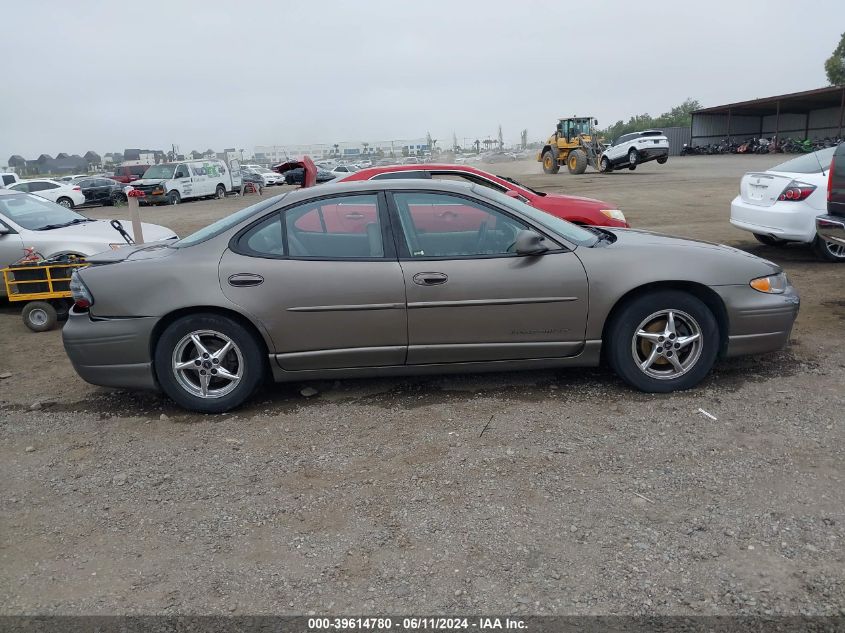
x,y
813,163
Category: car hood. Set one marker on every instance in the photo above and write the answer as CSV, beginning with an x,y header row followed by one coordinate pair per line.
x,y
103,233
652,257
568,203
147,181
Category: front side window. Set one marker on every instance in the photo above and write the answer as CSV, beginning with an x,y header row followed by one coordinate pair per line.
x,y
264,239
335,228
445,225
466,177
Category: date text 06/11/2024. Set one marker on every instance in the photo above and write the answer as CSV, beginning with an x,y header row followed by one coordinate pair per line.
x,y
415,624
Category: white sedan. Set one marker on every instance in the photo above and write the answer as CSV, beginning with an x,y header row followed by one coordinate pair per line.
x,y
67,195
27,221
780,205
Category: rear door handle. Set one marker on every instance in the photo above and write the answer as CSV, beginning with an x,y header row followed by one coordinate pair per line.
x,y
430,279
245,280
354,216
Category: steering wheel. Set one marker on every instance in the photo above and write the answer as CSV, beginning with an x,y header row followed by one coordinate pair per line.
x,y
481,238
512,239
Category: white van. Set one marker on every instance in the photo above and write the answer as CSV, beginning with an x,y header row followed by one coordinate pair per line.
x,y
172,183
7,179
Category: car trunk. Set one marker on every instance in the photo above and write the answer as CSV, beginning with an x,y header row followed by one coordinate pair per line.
x,y
762,189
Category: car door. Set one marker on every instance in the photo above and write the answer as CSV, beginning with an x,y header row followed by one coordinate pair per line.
x,y
184,181
11,246
329,294
470,297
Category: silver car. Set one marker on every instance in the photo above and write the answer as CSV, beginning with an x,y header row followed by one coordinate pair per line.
x,y
28,221
382,278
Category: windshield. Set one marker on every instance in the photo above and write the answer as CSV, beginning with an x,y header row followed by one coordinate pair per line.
x,y
813,163
37,214
160,171
572,232
224,224
264,170
519,184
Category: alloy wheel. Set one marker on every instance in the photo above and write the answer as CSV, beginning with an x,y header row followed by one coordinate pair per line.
x,y
667,344
207,364
836,250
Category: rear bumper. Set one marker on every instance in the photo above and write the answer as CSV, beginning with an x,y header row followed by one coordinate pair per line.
x,y
110,352
791,221
758,322
651,153
831,228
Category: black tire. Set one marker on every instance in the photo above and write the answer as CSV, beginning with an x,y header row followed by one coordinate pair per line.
x,y
550,164
65,202
632,167
604,165
220,192
251,356
174,198
662,160
119,199
62,307
39,316
576,162
768,240
620,336
828,251
633,157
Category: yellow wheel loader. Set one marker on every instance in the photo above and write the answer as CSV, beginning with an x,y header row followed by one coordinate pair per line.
x,y
575,144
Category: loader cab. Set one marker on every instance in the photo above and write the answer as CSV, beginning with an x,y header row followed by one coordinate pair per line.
x,y
571,128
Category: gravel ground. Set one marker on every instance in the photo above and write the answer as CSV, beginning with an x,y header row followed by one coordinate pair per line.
x,y
530,493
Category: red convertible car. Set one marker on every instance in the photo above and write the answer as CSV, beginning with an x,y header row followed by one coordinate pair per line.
x,y
573,208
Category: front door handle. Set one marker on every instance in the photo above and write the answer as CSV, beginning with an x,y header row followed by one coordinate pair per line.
x,y
430,279
245,280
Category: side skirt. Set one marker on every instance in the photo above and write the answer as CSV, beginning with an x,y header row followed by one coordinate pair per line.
x,y
589,357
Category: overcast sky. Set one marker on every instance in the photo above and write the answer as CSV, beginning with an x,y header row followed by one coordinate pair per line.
x,y
109,75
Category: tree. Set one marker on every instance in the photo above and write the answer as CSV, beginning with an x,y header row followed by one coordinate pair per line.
x,y
366,145
834,66
679,116
477,144
336,149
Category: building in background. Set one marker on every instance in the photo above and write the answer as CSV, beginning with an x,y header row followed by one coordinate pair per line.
x,y
396,148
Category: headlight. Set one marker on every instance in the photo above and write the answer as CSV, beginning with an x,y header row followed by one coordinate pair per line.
x,y
82,297
613,214
773,284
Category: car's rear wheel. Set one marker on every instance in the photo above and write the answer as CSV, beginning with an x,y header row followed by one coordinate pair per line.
x,y
663,341
829,251
768,240
576,162
661,160
65,202
174,198
550,164
208,363
220,192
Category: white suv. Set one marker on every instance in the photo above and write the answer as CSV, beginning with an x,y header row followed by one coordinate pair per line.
x,y
629,150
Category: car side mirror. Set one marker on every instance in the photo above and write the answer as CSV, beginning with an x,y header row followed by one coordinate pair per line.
x,y
530,243
4,230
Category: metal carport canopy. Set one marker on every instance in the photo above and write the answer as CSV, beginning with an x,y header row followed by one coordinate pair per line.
x,y
793,103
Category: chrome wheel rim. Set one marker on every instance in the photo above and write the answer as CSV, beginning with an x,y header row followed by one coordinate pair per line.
x,y
38,317
632,158
65,204
174,200
667,344
221,193
837,250
207,364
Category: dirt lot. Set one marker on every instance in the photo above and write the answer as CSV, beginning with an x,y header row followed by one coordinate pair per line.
x,y
384,496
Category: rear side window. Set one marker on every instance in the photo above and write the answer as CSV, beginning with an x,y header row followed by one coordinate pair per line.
x,y
335,228
398,175
812,163
8,179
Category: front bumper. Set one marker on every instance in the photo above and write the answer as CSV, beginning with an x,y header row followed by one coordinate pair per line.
x,y
153,199
831,228
758,322
110,352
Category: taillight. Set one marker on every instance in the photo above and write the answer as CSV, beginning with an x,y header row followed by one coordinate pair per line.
x,y
82,297
796,190
77,188
830,179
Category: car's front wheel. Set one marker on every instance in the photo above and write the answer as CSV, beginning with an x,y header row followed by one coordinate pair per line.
x,y
829,251
208,363
633,157
663,341
604,165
